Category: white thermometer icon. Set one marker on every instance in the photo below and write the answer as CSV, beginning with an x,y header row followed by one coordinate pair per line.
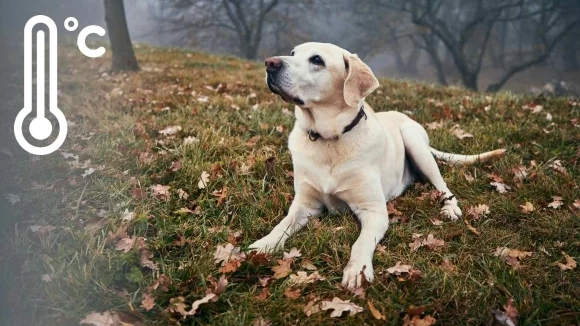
x,y
40,127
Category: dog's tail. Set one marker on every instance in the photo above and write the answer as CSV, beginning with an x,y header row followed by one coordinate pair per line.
x,y
466,159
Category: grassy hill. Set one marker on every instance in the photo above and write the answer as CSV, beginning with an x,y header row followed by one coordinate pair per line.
x,y
120,215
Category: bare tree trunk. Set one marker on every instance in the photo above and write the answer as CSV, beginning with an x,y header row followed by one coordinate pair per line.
x,y
123,55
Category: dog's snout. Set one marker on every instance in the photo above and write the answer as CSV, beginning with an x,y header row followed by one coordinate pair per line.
x,y
273,64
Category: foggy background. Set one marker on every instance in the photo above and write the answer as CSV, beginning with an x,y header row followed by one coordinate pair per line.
x,y
436,41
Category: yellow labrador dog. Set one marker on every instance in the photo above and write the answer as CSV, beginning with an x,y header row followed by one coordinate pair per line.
x,y
346,156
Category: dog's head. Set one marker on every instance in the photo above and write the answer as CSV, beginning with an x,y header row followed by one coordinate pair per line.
x,y
320,74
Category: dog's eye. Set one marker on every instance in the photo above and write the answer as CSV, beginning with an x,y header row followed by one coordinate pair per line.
x,y
292,53
316,60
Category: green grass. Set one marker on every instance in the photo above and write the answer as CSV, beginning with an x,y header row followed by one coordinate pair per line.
x,y
119,134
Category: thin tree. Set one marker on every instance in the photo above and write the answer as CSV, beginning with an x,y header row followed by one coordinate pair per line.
x,y
123,55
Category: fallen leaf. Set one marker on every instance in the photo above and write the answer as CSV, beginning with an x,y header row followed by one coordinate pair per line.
x,y
170,130
126,244
502,188
460,133
302,277
520,173
512,256
227,253
182,194
339,306
262,322
527,207
418,321
230,266
292,294
471,228
188,141
398,269
434,125
292,254
311,307
557,166
264,294
377,314
175,166
162,283
88,172
195,305
221,194
570,263
508,317
478,211
307,264
264,281
12,198
105,318
161,192
203,180
146,256
447,266
430,242
219,286
468,177
556,203
138,193
148,302
283,269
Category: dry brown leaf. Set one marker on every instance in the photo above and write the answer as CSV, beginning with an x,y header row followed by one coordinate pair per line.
x,y
227,253
162,283
195,305
161,192
105,318
262,322
221,194
292,294
292,254
148,302
512,256
460,133
302,277
203,180
264,294
230,266
509,316
307,264
447,266
126,244
570,263
502,188
377,314
146,256
264,281
469,177
478,211
527,207
430,242
311,307
556,203
418,321
339,306
558,167
170,130
398,269
175,166
471,228
283,269
177,305
520,173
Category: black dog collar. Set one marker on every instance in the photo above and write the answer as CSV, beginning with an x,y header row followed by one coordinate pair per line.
x,y
313,135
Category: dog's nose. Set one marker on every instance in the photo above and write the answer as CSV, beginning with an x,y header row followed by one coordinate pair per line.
x,y
273,64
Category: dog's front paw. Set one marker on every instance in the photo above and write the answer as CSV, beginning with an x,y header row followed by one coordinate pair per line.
x,y
352,277
451,211
267,244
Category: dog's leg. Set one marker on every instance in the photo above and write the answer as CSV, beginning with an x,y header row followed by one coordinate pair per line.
x,y
301,210
417,147
369,206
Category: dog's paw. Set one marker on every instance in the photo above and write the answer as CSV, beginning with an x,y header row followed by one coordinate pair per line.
x,y
451,211
267,244
352,277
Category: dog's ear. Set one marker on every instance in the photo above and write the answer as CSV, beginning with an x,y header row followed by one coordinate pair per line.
x,y
360,80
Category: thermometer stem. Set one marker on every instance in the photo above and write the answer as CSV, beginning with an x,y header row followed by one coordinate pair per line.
x,y
40,94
